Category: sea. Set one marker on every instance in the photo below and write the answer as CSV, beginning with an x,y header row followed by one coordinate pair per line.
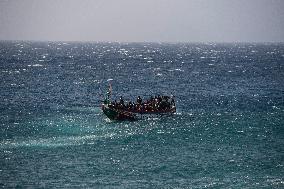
x,y
228,131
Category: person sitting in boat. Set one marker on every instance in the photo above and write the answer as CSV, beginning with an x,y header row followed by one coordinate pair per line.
x,y
159,98
139,100
130,105
121,101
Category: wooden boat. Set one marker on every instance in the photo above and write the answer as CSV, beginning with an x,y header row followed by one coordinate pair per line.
x,y
151,108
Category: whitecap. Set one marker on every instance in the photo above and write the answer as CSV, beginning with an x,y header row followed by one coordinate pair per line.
x,y
178,69
109,79
36,65
275,107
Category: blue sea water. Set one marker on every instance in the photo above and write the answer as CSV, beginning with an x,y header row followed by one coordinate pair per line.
x,y
228,131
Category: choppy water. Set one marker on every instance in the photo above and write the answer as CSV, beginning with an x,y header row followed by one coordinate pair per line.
x,y
228,132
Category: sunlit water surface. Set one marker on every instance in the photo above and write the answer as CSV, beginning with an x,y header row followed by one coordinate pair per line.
x,y
227,133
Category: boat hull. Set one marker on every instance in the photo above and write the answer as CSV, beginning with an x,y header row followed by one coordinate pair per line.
x,y
118,114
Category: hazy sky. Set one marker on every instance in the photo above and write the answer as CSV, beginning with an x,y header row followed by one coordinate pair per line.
x,y
143,20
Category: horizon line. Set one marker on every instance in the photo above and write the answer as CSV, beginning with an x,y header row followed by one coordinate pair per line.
x,y
165,42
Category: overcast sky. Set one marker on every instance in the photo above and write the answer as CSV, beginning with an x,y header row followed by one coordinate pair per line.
x,y
143,20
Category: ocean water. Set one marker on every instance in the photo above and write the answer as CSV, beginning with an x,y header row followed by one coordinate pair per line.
x,y
228,131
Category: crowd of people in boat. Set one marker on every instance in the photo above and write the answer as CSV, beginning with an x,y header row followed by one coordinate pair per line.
x,y
153,104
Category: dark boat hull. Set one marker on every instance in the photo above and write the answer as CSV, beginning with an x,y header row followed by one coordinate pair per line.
x,y
121,115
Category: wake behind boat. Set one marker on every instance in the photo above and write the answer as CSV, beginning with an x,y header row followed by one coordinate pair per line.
x,y
142,109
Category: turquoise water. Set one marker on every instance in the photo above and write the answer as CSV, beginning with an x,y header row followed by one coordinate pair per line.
x,y
227,133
